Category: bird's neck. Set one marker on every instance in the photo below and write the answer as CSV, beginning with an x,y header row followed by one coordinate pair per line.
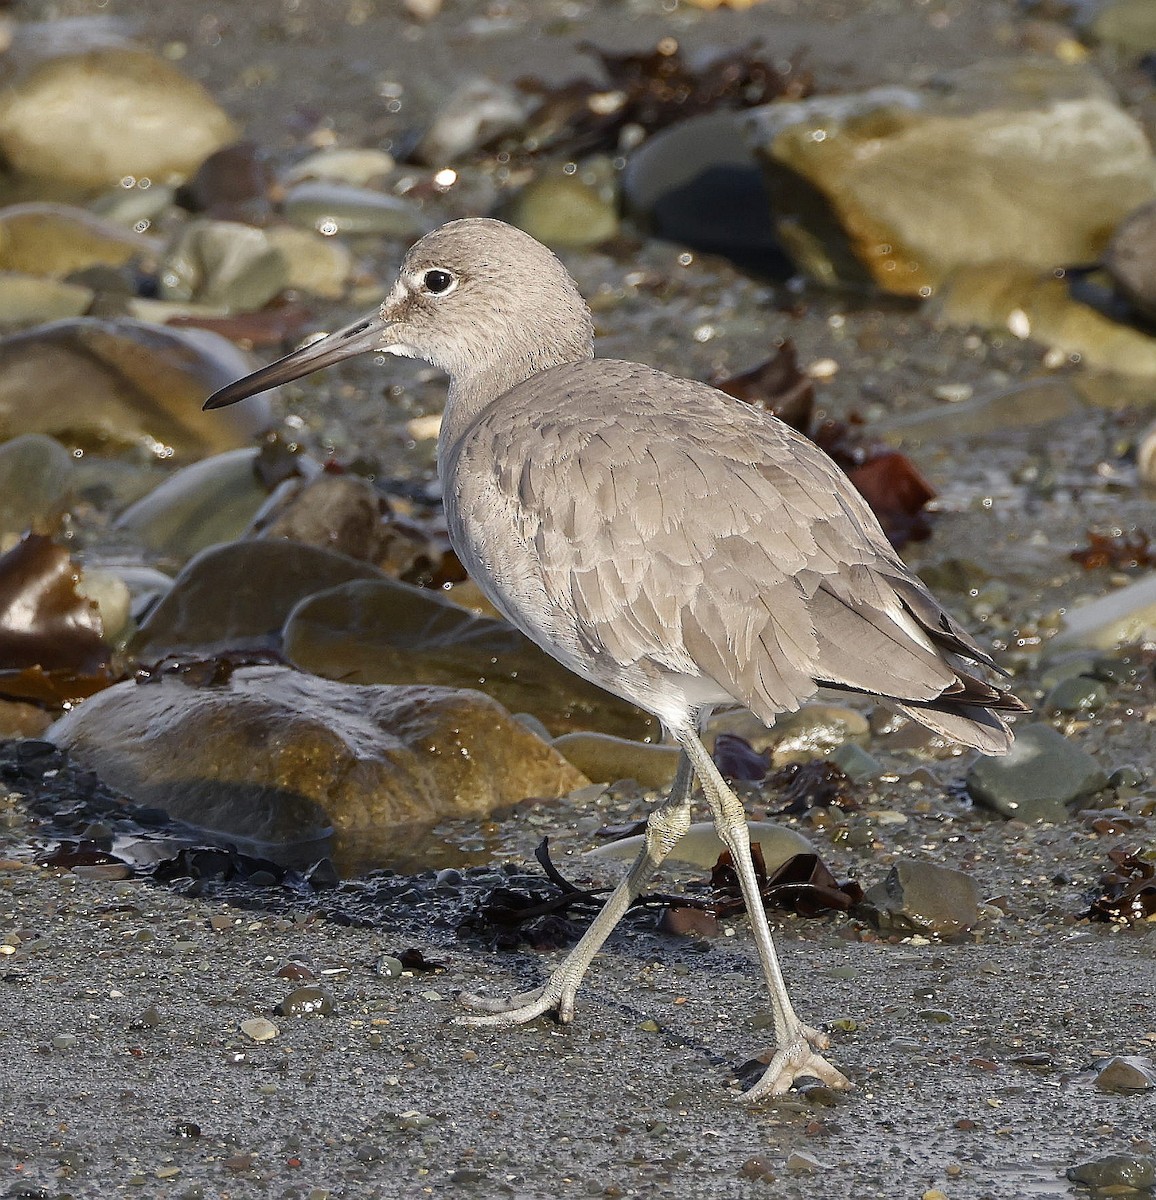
x,y
473,391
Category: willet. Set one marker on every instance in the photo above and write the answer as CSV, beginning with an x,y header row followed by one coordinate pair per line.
x,y
672,545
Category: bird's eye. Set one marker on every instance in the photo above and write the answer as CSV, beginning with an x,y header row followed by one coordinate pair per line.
x,y
437,282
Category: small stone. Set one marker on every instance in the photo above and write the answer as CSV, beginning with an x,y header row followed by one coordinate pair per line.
x,y
225,265
332,208
1122,617
476,112
563,210
856,763
143,387
59,240
65,1041
1126,1073
799,1161
1027,160
390,967
1077,695
104,872
700,846
30,300
920,896
260,1029
117,111
603,758
308,1001
697,183
208,502
340,165
1042,774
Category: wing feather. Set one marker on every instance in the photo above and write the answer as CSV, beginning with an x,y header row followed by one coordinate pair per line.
x,y
682,531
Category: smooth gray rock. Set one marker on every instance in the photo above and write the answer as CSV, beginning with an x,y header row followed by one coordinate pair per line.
x,y
238,596
924,897
1038,778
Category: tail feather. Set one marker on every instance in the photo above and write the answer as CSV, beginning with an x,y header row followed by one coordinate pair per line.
x,y
970,724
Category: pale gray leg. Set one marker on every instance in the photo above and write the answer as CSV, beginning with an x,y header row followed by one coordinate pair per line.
x,y
795,1043
665,826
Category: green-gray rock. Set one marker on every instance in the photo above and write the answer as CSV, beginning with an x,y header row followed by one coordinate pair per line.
x,y
35,477
563,210
223,264
1136,1172
1038,778
238,595
198,506
1076,694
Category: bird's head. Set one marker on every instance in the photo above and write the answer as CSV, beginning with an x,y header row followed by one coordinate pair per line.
x,y
477,298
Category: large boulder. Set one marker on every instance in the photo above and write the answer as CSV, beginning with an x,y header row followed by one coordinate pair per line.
x,y
277,756
1020,160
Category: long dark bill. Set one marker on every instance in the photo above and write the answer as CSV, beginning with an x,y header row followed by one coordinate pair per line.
x,y
362,337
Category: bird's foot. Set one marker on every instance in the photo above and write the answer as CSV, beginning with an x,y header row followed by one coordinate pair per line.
x,y
798,1058
503,1011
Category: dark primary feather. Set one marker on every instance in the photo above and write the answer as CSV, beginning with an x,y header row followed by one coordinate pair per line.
x,y
683,530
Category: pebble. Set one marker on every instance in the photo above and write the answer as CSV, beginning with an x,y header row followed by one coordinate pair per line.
x,y
856,763
259,1029
117,111
307,1001
143,387
798,1160
476,112
915,182
1122,617
701,846
359,760
58,239
698,183
331,208
224,265
564,211
383,631
358,167
32,300
210,501
36,474
603,758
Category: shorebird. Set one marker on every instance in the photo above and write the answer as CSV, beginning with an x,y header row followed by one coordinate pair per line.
x,y
673,545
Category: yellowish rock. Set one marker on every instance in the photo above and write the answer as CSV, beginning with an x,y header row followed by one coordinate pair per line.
x,y
92,118
56,239
1027,304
